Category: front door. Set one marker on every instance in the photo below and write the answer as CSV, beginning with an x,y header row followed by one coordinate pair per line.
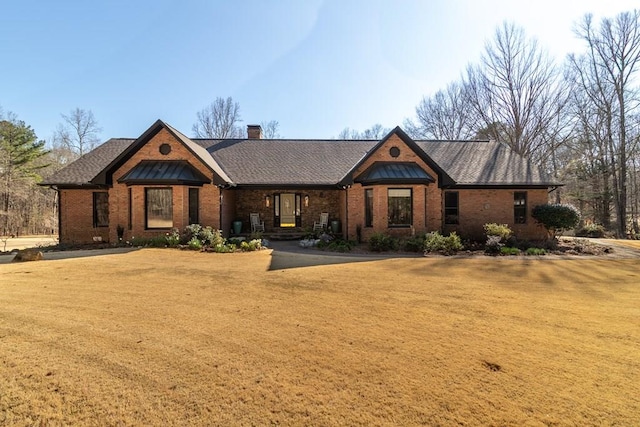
x,y
287,210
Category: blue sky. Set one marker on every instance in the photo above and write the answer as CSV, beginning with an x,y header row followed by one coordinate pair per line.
x,y
314,66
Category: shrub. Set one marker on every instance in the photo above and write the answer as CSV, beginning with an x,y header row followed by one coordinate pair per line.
x,y
591,230
556,217
535,251
415,243
251,245
436,242
194,244
505,250
380,242
173,238
494,245
501,230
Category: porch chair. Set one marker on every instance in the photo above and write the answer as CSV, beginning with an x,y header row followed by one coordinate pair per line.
x,y
322,224
256,224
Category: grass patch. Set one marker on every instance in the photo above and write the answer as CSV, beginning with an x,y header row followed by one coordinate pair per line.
x,y
166,337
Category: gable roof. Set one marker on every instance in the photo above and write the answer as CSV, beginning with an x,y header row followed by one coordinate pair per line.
x,y
443,177
288,162
104,177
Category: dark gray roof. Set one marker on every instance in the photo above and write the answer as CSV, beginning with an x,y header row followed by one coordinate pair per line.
x,y
320,162
165,172
388,172
287,162
91,164
484,163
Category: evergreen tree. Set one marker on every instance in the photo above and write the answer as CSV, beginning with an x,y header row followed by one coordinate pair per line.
x,y
19,154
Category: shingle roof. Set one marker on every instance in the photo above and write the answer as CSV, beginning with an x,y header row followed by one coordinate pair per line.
x,y
91,164
319,162
484,163
287,162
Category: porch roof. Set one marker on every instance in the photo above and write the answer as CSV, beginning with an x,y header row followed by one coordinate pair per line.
x,y
392,172
164,172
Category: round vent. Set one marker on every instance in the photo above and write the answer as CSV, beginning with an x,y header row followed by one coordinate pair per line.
x,y
165,149
394,151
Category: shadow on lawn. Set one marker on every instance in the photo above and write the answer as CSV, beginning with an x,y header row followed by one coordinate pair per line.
x,y
288,255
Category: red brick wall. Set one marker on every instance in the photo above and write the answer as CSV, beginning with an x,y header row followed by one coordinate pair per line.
x,y
76,218
76,206
426,215
478,207
118,195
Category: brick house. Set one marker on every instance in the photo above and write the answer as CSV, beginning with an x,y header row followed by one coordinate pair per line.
x,y
396,185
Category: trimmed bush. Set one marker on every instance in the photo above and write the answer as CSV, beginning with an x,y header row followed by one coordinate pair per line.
x,y
505,250
501,230
194,244
414,244
436,242
556,217
591,230
380,242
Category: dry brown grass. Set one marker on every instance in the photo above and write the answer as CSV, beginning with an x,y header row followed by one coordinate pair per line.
x,y
159,337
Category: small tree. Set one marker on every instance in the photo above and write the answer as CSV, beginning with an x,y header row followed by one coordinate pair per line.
x,y
556,218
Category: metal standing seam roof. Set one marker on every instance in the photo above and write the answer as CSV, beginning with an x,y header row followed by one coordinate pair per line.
x,y
167,171
394,172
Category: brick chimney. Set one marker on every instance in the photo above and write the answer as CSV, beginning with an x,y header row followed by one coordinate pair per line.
x,y
254,131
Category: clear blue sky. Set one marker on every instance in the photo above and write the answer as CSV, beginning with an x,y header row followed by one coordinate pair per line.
x,y
315,66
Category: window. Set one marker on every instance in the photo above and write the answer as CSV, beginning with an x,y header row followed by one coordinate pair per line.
x,y
159,207
520,207
194,205
451,215
100,209
368,207
399,200
130,218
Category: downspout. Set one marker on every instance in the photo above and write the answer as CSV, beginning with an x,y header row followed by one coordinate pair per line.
x,y
220,208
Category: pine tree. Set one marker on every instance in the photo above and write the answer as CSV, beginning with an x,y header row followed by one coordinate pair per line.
x,y
19,152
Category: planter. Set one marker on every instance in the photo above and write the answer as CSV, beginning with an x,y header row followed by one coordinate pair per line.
x,y
237,227
335,226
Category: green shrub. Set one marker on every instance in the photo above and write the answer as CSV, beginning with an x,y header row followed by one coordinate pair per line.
x,y
501,230
173,238
194,244
536,251
414,243
556,217
591,230
436,242
380,242
251,245
506,250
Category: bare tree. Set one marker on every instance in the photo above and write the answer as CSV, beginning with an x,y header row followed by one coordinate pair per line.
x,y
445,115
219,120
270,129
517,94
376,131
78,134
606,76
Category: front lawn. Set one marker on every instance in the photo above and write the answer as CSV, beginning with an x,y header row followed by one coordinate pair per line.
x,y
169,337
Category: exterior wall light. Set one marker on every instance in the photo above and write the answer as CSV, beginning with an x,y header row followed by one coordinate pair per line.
x,y
306,201
267,200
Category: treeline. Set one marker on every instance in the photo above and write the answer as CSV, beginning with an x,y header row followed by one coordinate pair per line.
x,y
579,120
